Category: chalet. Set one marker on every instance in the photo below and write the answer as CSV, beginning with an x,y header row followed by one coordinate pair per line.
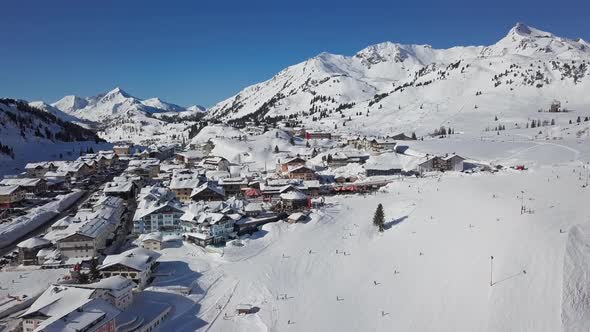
x,y
291,163
555,107
28,249
215,227
116,290
158,210
294,200
146,168
11,194
233,186
183,183
254,209
383,168
123,188
215,164
447,163
343,158
135,264
383,144
302,173
39,169
122,149
208,192
152,241
66,308
190,157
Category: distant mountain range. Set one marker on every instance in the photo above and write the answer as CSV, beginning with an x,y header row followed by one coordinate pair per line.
x,y
392,87
116,102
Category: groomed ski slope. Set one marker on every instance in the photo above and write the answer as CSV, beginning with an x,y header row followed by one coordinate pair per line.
x,y
441,233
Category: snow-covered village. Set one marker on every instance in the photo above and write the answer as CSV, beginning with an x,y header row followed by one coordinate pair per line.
x,y
402,188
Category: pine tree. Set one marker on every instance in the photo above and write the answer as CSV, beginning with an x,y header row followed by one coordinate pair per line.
x,y
579,120
93,274
496,118
307,144
413,135
379,218
553,122
276,149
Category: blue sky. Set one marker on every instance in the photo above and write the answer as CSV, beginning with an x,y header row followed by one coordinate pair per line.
x,y
201,52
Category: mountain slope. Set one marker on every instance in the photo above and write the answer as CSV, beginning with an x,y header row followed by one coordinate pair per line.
x,y
389,87
28,133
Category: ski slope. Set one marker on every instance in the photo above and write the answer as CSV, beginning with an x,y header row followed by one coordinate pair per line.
x,y
430,269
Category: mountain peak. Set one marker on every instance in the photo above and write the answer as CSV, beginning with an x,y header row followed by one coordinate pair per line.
x,y
118,91
523,30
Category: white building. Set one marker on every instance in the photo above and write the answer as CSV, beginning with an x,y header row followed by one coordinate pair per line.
x,y
158,210
136,264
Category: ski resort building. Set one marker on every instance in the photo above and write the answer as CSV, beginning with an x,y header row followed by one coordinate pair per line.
x,y
92,230
158,210
66,308
135,264
451,162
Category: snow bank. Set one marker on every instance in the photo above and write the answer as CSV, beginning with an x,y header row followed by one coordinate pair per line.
x,y
575,309
20,226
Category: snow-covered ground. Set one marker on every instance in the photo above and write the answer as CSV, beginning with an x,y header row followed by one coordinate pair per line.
x,y
429,270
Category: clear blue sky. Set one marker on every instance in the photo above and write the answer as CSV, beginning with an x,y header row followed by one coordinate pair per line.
x,y
201,52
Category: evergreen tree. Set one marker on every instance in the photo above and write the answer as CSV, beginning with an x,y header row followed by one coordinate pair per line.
x,y
307,144
379,218
413,135
276,149
496,118
94,275
553,122
291,141
579,120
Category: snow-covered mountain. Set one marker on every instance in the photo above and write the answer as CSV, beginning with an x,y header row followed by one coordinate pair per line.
x,y
108,105
119,116
392,87
24,128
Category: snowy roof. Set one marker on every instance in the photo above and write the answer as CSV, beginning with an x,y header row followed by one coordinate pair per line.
x,y
58,301
118,187
42,164
8,190
297,216
208,186
24,182
154,198
243,307
89,317
155,236
237,180
294,196
138,259
200,236
33,242
451,156
184,181
251,207
191,154
114,284
300,168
